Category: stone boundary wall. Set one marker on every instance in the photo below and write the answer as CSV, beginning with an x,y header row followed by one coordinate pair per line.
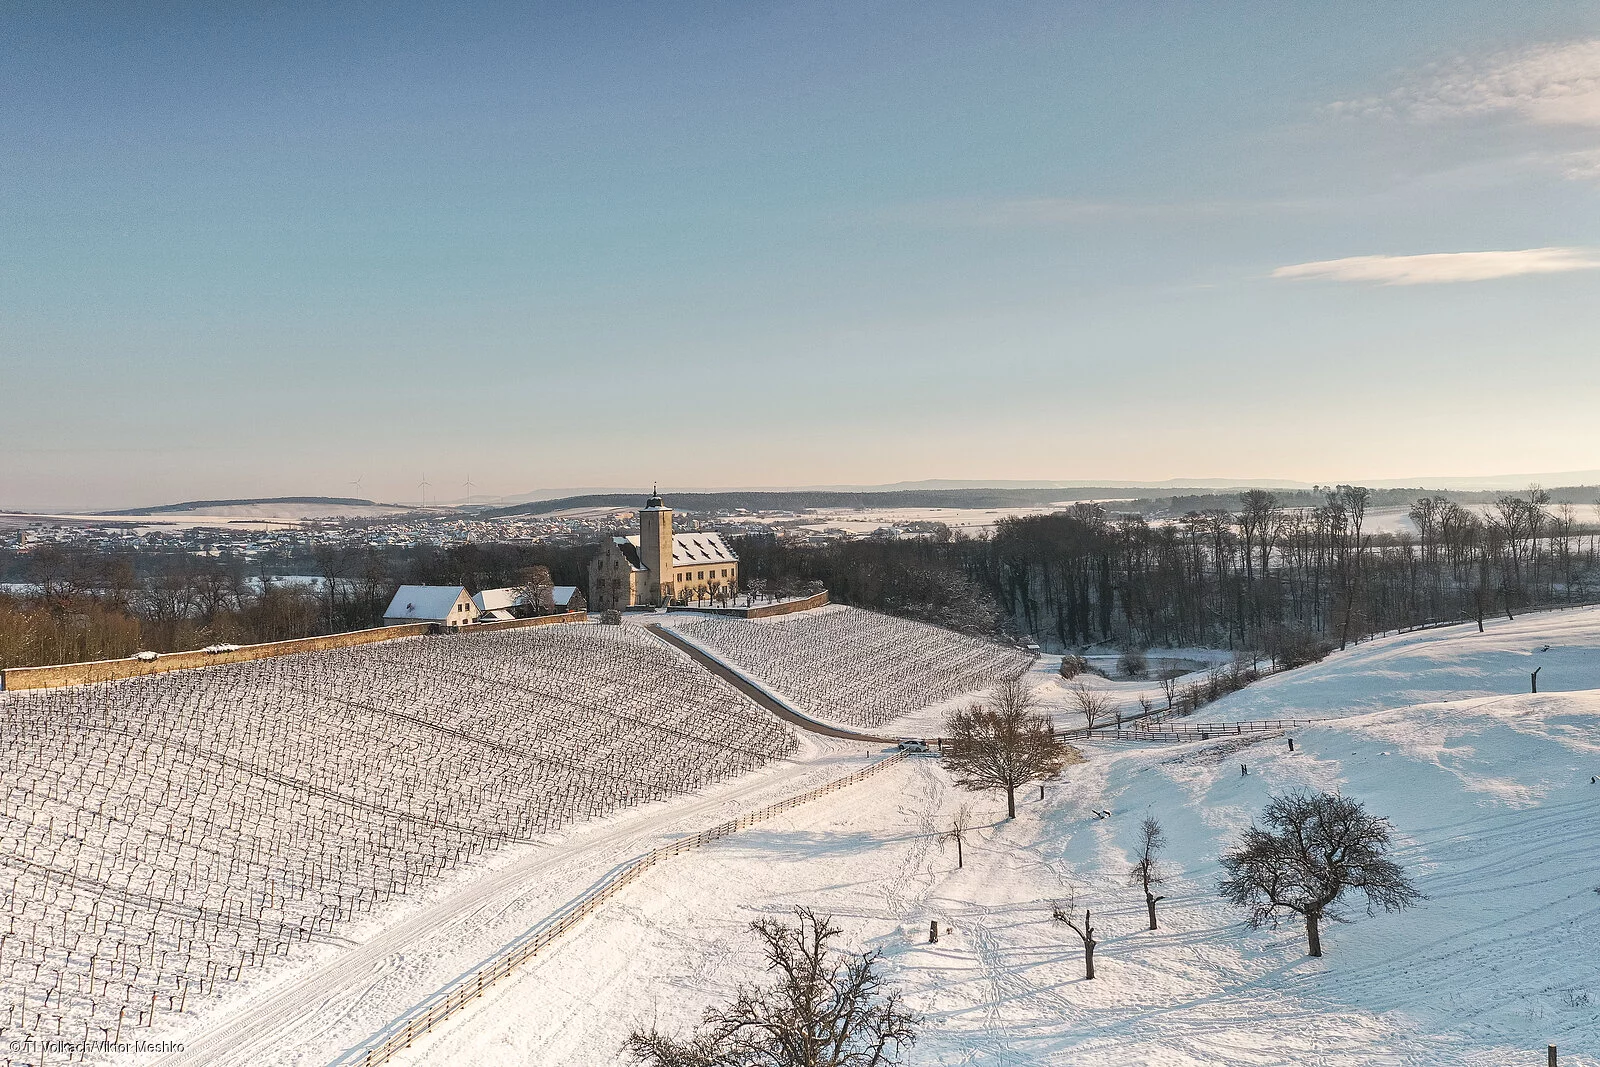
x,y
110,670
766,611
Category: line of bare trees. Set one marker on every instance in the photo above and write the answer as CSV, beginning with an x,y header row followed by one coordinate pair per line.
x,y
1267,575
1262,576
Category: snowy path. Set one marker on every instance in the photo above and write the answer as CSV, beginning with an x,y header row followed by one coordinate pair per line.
x,y
318,1006
757,692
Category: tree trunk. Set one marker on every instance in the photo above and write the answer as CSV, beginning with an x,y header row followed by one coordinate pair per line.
x,y
958,852
1088,960
1011,802
1150,906
1313,934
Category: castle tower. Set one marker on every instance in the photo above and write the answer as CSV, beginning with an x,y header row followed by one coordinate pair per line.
x,y
655,546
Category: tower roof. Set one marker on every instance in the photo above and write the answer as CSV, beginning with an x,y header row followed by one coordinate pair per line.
x,y
655,501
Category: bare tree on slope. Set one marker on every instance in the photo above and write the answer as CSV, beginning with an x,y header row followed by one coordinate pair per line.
x,y
1148,871
827,1008
1095,706
1004,744
1314,848
1065,912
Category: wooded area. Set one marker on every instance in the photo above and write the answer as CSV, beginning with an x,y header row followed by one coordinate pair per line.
x,y
1265,577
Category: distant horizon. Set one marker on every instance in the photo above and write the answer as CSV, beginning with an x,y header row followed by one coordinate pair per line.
x,y
1466,483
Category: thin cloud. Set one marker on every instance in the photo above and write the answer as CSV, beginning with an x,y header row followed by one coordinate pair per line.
x,y
1442,267
1041,211
1551,85
1581,166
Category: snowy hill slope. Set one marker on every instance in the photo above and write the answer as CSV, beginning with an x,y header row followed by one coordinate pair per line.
x,y
1495,816
1451,663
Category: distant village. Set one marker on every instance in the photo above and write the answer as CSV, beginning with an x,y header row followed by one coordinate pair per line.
x,y
256,539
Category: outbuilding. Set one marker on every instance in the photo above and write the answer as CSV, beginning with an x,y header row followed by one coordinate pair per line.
x,y
447,605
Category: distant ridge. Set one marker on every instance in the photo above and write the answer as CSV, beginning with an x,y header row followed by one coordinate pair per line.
x,y
801,499
201,505
1140,500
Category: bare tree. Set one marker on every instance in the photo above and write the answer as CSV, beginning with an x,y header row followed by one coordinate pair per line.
x,y
1314,847
1014,696
1065,912
959,825
1096,707
1148,871
1003,745
827,1008
1258,525
1169,689
535,590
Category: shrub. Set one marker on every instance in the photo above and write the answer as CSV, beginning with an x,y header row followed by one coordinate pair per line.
x,y
1296,648
1132,663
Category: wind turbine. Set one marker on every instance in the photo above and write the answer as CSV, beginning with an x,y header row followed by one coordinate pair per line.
x,y
423,485
469,486
356,485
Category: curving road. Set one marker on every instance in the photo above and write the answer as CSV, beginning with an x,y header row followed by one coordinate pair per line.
x,y
757,693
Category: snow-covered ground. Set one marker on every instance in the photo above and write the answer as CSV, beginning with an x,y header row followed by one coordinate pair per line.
x,y
311,1008
1488,788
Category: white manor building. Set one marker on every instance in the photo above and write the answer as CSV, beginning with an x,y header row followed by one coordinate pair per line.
x,y
655,565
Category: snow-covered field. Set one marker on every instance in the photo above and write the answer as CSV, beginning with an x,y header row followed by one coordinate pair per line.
x,y
168,835
855,668
1488,788
312,1008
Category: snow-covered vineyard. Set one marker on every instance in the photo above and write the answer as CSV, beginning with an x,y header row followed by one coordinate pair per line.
x,y
858,668
163,835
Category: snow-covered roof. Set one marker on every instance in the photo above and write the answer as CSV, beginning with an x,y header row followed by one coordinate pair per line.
x,y
498,615
504,600
629,546
428,603
691,549
498,599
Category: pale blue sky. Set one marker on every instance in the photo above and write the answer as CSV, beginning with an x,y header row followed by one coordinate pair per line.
x,y
745,244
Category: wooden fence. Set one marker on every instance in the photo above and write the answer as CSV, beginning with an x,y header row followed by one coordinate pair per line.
x,y
456,995
1198,731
